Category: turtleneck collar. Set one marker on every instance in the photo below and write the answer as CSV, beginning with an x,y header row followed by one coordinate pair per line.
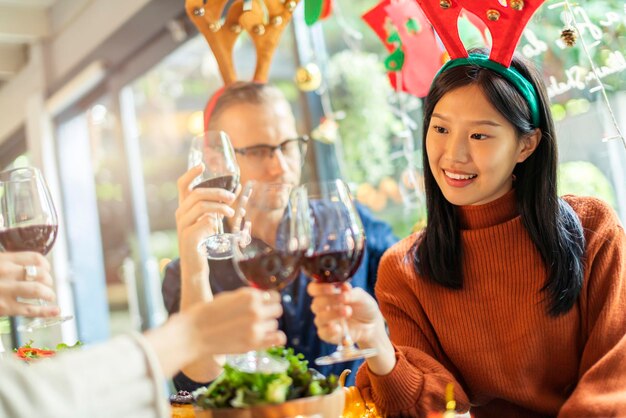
x,y
490,214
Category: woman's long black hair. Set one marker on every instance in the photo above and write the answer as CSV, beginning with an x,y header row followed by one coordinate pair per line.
x,y
552,224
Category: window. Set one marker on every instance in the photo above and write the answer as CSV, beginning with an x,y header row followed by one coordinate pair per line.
x,y
382,158
169,102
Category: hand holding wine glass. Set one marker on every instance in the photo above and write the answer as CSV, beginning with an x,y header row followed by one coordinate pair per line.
x,y
14,288
335,253
29,223
196,219
268,255
215,153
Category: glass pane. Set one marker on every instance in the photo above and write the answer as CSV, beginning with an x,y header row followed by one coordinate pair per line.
x,y
169,104
97,129
587,165
381,157
114,210
385,173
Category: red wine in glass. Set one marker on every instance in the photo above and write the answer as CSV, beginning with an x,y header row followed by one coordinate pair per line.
x,y
271,269
215,152
333,266
335,251
228,182
38,238
270,258
29,223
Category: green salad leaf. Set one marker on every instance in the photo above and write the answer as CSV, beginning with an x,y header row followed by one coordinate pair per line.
x,y
63,346
235,389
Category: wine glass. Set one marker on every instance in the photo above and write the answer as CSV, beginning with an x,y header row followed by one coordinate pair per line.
x,y
335,251
29,223
214,151
268,253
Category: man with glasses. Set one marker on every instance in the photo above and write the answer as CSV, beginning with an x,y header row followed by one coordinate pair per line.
x,y
262,129
261,154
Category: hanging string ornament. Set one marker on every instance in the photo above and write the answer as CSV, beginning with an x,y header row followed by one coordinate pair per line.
x,y
414,53
408,36
568,36
571,21
309,77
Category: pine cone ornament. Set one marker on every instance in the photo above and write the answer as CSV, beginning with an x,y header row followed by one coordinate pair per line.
x,y
568,36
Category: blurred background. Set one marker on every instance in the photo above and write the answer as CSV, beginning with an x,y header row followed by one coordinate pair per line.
x,y
104,96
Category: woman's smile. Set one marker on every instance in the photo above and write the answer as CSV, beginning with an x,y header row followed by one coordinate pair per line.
x,y
456,179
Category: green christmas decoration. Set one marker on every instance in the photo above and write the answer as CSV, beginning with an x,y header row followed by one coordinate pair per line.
x,y
312,11
394,38
413,26
395,60
315,10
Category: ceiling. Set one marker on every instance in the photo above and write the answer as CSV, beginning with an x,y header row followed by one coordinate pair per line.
x,y
22,22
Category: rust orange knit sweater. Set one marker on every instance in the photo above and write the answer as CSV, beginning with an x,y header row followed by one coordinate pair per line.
x,y
493,338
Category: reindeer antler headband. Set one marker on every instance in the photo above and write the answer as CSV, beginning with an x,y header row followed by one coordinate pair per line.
x,y
263,20
505,23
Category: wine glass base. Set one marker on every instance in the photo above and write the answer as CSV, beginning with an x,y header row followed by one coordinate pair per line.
x,y
39,323
218,247
257,362
346,354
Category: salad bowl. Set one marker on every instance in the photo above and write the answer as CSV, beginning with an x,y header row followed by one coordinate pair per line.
x,y
326,406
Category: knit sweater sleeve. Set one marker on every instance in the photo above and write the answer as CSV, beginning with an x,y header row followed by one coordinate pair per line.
x,y
119,378
417,383
602,373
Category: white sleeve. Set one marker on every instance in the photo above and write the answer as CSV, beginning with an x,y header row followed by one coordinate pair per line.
x,y
119,378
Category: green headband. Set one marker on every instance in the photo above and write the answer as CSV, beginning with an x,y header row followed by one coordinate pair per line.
x,y
523,86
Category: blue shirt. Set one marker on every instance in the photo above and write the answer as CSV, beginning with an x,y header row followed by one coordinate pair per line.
x,y
297,320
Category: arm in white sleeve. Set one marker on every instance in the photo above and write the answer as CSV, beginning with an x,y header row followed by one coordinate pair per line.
x,y
119,378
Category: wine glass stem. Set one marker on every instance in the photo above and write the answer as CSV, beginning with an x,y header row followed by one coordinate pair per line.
x,y
346,340
220,224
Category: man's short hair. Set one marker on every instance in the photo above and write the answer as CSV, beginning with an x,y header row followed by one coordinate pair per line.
x,y
246,92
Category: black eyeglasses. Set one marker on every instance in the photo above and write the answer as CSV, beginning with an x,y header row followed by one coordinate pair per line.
x,y
294,148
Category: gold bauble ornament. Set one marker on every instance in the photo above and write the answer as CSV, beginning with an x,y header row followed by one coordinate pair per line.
x,y
517,5
493,15
309,77
259,29
445,57
445,4
291,5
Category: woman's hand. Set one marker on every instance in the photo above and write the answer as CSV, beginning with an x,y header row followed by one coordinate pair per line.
x,y
239,321
332,303
365,321
234,322
16,283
